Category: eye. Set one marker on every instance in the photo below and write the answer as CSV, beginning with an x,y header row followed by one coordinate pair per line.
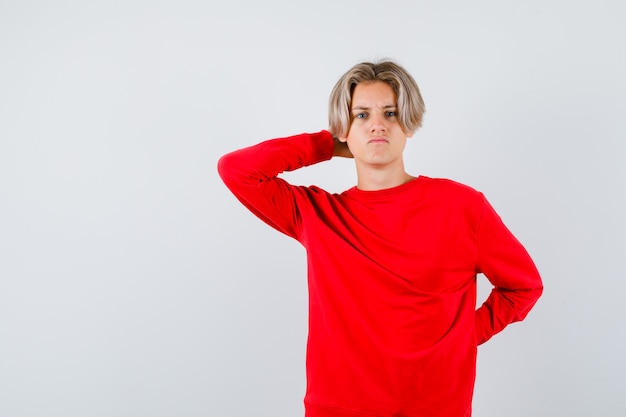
x,y
391,113
360,116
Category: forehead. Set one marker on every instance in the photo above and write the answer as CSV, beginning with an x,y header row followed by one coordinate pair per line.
x,y
373,93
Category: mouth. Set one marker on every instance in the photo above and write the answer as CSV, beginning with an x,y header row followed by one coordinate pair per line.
x,y
378,140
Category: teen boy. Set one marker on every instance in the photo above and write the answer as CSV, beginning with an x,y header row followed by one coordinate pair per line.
x,y
392,262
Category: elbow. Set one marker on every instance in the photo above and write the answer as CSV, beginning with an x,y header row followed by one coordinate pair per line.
x,y
224,167
538,286
531,296
228,168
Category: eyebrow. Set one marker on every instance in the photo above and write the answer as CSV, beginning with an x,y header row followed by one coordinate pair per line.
x,y
388,106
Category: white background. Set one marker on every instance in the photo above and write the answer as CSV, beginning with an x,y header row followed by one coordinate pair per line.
x,y
133,284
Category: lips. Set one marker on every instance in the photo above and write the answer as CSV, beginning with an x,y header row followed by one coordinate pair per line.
x,y
378,140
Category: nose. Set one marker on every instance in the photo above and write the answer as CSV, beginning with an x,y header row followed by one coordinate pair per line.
x,y
378,123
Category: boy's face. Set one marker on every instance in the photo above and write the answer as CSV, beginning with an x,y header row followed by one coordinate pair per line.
x,y
375,137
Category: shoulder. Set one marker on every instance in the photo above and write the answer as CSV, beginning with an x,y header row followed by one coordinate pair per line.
x,y
312,194
454,200
454,197
450,188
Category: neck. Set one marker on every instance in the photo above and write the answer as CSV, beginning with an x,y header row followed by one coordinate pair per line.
x,y
372,178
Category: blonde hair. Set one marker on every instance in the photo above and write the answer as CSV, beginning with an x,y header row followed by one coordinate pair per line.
x,y
410,104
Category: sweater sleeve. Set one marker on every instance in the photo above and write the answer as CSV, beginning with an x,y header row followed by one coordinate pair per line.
x,y
251,174
508,266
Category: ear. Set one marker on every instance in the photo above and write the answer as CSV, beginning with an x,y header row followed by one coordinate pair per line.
x,y
409,134
344,140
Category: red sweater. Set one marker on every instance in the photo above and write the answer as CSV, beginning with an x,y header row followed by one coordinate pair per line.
x,y
393,325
